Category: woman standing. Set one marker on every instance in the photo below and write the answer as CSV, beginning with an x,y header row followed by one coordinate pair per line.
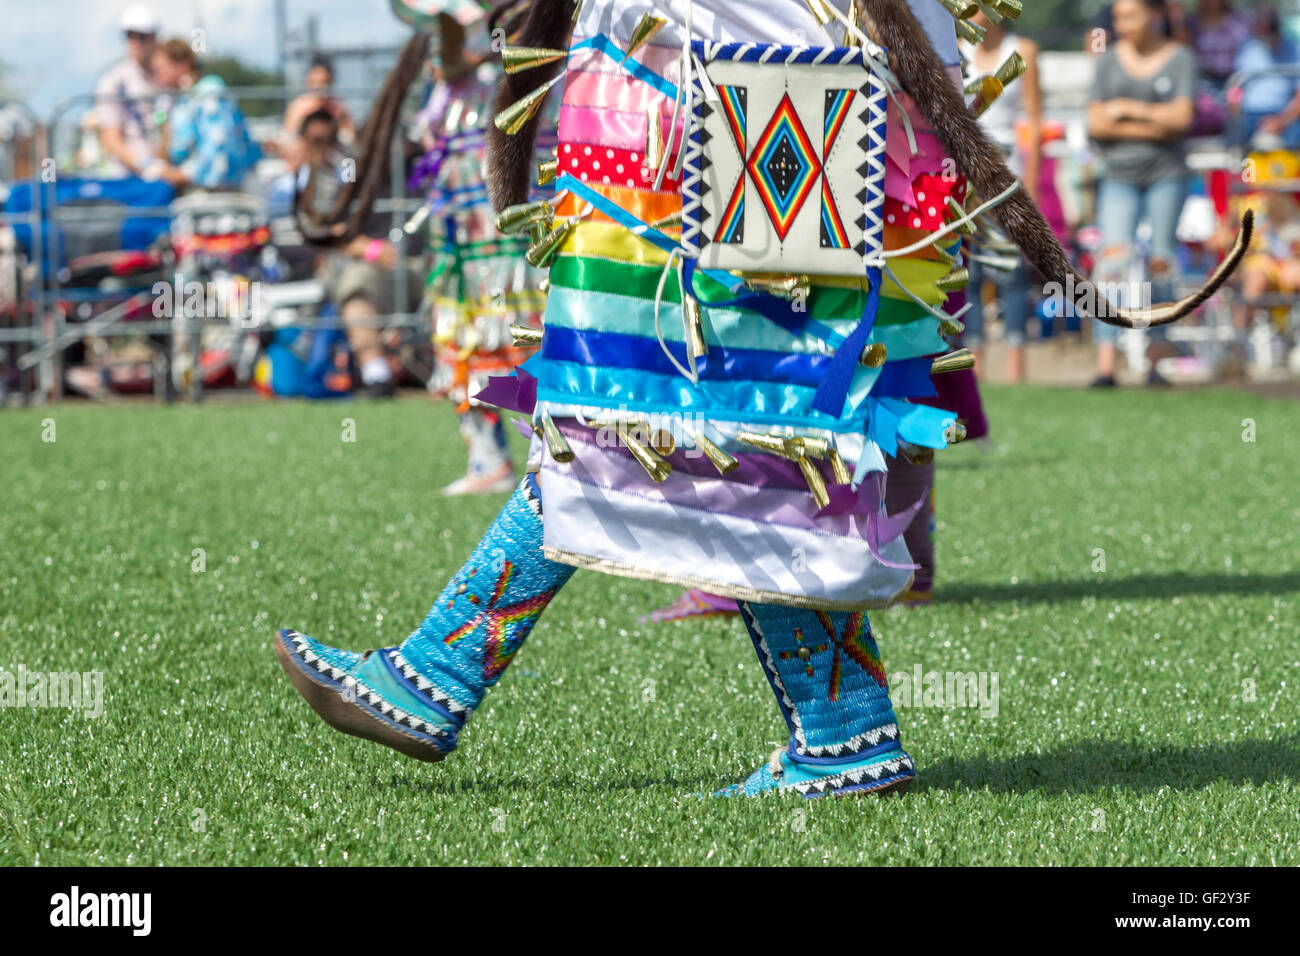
x,y
1140,111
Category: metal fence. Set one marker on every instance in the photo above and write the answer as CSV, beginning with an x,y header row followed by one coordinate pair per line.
x,y
43,314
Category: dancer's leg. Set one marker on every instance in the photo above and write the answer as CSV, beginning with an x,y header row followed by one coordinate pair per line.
x,y
416,697
490,470
907,484
826,673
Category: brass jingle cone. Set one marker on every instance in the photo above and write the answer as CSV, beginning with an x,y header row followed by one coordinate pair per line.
x,y
544,286
516,59
970,32
954,207
547,172
1011,9
854,17
816,483
916,454
954,433
540,253
1012,69
954,281
947,257
840,469
693,327
721,460
516,116
662,442
955,361
556,443
655,467
525,335
668,221
960,9
767,443
785,287
654,138
951,326
812,447
818,9
645,29
517,218
874,355
638,428
577,9
990,89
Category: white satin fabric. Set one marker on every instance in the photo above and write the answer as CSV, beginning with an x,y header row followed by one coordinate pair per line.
x,y
760,21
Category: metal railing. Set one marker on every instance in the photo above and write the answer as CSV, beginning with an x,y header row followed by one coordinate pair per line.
x,y
49,330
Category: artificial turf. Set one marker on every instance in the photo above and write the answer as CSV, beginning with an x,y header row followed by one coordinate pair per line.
x,y
1148,712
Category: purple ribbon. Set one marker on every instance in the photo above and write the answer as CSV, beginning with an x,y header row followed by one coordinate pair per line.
x,y
514,393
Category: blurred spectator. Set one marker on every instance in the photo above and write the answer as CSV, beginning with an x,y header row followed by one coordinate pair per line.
x,y
1140,110
1273,267
124,107
1216,33
318,134
319,83
206,142
1101,31
1021,100
360,277
361,280
1270,105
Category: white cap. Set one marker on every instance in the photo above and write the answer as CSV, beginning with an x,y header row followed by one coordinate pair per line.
x,y
139,19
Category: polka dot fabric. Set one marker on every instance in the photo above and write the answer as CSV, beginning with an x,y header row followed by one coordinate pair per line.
x,y
611,166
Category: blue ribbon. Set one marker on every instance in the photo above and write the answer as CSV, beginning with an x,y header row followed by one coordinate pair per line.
x,y
909,378
839,374
617,350
771,307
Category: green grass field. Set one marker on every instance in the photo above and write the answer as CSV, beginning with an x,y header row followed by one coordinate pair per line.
x,y
1148,713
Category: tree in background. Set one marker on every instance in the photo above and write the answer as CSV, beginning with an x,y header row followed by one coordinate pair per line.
x,y
236,73
1057,25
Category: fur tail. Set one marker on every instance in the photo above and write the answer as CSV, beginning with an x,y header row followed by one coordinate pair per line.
x,y
510,158
980,159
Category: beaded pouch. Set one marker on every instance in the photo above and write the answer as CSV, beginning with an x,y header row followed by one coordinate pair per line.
x,y
785,165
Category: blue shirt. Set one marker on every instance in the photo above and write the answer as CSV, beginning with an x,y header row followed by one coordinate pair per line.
x,y
209,138
1267,94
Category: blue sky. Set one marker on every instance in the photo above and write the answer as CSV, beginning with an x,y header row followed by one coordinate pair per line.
x,y
54,49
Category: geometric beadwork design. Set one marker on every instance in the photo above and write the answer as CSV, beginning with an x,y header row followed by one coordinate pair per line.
x,y
784,166
855,646
731,225
507,627
833,233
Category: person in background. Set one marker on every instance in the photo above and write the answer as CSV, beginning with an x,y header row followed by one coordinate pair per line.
x,y
1270,105
319,82
1101,31
360,277
124,101
1022,100
1216,33
1273,266
206,143
1140,110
